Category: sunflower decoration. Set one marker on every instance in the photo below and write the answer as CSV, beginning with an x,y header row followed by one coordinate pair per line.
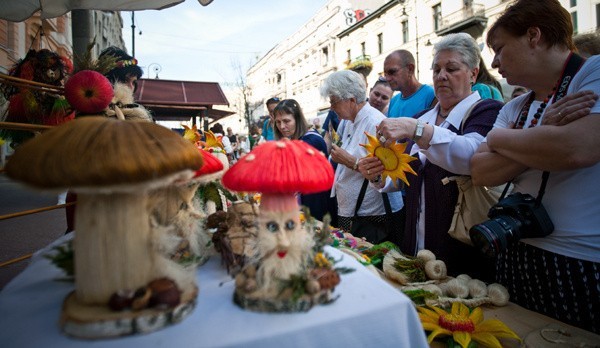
x,y
395,161
213,142
191,134
464,326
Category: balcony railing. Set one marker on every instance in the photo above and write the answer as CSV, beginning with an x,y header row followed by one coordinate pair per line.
x,y
472,15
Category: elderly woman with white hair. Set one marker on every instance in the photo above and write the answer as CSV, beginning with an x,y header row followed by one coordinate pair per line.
x,y
346,91
444,149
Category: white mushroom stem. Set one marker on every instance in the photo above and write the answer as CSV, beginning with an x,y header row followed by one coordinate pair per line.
x,y
111,245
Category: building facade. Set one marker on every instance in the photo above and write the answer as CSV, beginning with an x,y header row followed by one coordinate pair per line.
x,y
67,35
343,31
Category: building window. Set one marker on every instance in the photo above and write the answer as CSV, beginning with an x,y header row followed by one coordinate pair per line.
x,y
325,56
405,31
574,20
380,43
363,49
348,56
597,15
573,3
437,17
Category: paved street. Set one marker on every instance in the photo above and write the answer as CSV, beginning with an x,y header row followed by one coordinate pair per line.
x,y
23,235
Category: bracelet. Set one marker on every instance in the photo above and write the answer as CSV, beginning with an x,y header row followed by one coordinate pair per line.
x,y
355,167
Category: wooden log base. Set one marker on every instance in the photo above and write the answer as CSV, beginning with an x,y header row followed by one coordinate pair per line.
x,y
271,305
96,322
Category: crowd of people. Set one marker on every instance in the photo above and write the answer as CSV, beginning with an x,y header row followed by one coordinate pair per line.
x,y
541,138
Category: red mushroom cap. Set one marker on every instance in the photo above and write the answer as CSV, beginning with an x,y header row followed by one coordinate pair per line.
x,y
211,164
283,166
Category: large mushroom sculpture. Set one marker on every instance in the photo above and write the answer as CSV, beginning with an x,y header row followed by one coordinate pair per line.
x,y
283,248
112,165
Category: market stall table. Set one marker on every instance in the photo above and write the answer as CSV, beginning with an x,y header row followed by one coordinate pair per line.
x,y
368,312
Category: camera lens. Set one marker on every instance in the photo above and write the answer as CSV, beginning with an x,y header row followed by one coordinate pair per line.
x,y
491,237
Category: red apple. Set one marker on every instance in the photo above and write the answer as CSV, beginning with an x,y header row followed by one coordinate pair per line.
x,y
89,92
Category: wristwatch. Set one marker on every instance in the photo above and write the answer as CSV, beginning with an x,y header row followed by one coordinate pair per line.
x,y
418,130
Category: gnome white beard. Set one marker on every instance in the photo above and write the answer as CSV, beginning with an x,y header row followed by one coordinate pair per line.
x,y
272,267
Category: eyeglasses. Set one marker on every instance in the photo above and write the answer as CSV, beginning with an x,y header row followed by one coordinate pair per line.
x,y
332,103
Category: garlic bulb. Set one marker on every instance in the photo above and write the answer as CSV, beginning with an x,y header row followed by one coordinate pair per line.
x,y
436,269
477,288
456,288
464,278
425,255
434,289
498,294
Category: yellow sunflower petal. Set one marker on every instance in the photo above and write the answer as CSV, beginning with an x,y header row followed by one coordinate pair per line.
x,y
487,340
459,308
497,328
438,310
461,337
476,316
428,313
427,319
438,332
429,326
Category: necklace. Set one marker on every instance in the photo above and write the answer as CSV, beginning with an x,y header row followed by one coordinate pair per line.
x,y
536,117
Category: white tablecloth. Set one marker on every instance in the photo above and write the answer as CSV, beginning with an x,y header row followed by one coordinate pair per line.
x,y
368,313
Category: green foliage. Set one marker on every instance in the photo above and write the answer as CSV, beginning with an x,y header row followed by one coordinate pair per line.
x,y
64,258
419,296
413,268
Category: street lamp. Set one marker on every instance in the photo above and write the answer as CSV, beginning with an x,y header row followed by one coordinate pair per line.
x,y
156,68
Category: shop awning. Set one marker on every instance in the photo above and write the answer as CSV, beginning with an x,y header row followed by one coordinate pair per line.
x,y
171,100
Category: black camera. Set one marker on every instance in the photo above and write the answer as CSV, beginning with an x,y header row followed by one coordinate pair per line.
x,y
512,218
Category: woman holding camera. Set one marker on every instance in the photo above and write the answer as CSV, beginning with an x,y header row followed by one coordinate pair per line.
x,y
443,151
554,128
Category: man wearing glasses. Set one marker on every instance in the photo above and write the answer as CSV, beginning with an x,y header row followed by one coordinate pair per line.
x,y
399,71
267,129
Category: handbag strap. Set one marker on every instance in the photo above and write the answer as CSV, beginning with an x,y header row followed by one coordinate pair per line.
x,y
361,196
467,115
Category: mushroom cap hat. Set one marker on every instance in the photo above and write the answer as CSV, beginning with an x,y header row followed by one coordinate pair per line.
x,y
282,166
94,152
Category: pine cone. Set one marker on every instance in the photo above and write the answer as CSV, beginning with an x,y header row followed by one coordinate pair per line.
x,y
327,278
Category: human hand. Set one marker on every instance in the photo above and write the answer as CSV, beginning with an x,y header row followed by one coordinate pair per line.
x,y
570,108
391,130
342,156
370,167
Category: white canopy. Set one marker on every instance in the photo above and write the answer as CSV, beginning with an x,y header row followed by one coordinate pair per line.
x,y
20,10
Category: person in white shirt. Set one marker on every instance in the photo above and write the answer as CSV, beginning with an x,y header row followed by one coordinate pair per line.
x,y
346,91
554,129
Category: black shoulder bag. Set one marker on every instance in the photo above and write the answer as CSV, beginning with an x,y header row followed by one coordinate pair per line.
x,y
375,229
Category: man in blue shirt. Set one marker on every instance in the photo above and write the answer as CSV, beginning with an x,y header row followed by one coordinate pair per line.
x,y
267,130
399,70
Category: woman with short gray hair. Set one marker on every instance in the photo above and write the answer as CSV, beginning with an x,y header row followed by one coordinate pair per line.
x,y
444,146
346,92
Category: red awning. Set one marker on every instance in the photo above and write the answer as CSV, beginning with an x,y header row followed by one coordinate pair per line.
x,y
178,100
